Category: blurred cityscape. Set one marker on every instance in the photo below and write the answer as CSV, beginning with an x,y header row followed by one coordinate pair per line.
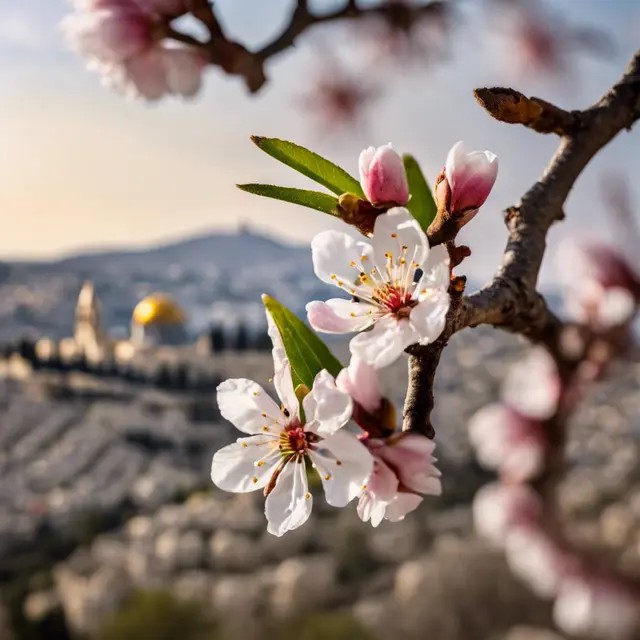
x,y
110,528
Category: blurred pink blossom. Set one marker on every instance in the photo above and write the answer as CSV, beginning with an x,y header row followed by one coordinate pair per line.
x,y
594,606
533,386
123,41
499,508
383,177
534,557
602,287
507,441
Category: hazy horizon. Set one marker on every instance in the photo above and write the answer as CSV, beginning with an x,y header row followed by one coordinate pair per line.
x,y
84,168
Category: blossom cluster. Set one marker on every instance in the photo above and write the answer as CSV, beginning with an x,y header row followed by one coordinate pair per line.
x,y
510,437
343,429
125,41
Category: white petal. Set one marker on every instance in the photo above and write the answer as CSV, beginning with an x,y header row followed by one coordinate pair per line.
x,y
289,504
246,405
370,508
616,306
360,381
184,71
340,316
402,504
393,230
235,467
344,465
145,75
455,161
436,270
383,482
326,408
283,383
278,352
429,316
384,343
333,253
532,386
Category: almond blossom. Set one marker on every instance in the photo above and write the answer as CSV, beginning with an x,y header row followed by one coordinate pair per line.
x,y
383,176
594,606
466,181
281,444
603,288
508,441
533,387
404,467
124,41
400,308
498,509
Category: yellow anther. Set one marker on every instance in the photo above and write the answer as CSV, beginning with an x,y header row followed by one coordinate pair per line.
x,y
254,480
352,263
353,314
263,414
265,428
333,276
307,496
364,257
338,462
394,235
244,445
328,476
260,463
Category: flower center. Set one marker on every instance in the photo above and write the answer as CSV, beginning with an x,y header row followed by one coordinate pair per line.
x,y
293,440
395,299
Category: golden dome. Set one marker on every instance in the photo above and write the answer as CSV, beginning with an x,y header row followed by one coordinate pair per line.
x,y
158,308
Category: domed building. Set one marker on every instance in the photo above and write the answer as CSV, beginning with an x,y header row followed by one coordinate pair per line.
x,y
158,320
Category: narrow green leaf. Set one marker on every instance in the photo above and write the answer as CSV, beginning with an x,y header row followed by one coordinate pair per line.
x,y
421,205
312,199
306,352
310,164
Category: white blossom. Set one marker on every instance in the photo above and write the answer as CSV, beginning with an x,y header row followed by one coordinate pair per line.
x,y
381,275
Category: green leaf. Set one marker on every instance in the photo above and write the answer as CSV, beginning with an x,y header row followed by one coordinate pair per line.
x,y
310,164
312,199
421,205
306,352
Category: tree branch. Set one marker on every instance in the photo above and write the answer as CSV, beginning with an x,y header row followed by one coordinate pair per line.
x,y
235,59
511,300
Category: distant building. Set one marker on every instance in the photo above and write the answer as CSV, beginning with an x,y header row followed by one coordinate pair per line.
x,y
87,334
158,320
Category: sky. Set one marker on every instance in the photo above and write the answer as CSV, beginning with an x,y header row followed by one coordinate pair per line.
x,y
83,167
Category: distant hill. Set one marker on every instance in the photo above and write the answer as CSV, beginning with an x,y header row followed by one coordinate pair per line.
x,y
217,276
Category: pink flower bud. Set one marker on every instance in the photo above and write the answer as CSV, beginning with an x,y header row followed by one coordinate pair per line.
x,y
360,381
470,175
382,176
